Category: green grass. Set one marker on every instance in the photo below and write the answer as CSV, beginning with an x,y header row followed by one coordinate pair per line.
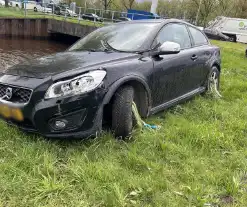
x,y
19,13
198,157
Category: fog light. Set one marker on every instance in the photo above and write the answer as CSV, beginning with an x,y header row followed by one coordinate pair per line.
x,y
60,124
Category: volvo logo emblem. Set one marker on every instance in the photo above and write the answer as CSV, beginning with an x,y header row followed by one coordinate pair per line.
x,y
8,93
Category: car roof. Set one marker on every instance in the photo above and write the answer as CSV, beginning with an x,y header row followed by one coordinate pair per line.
x,y
160,22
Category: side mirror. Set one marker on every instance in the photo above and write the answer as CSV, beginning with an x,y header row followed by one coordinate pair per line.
x,y
168,48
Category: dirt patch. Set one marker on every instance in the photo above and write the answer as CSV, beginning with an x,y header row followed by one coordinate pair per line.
x,y
227,200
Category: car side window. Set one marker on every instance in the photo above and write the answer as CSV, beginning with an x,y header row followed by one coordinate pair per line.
x,y
174,33
198,37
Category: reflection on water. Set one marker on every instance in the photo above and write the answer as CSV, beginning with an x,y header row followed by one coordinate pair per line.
x,y
13,51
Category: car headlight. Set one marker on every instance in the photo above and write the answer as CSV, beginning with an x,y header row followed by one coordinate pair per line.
x,y
78,85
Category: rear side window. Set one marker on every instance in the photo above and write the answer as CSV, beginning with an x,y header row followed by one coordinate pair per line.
x,y
174,33
198,37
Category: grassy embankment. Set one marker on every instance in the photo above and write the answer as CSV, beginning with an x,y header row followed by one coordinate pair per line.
x,y
19,13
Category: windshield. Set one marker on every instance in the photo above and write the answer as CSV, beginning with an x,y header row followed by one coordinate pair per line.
x,y
121,37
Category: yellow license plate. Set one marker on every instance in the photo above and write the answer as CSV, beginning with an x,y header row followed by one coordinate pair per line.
x,y
9,112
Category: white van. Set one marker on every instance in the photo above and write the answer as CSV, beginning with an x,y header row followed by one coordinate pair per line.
x,y
30,5
15,3
234,28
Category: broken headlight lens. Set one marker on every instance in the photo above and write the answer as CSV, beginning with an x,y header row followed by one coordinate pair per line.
x,y
78,85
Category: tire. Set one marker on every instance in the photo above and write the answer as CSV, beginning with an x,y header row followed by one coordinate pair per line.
x,y
122,117
233,38
215,74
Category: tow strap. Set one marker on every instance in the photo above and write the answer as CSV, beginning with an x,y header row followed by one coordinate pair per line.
x,y
140,123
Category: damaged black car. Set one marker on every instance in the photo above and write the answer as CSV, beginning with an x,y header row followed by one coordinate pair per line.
x,y
154,63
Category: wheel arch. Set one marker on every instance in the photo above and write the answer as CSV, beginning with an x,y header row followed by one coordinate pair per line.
x,y
217,65
142,93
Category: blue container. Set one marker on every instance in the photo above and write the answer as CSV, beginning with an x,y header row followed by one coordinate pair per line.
x,y
138,14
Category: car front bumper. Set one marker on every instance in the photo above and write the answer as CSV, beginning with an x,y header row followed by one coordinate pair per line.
x,y
82,116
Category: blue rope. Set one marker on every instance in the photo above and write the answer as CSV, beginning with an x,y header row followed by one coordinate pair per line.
x,y
150,126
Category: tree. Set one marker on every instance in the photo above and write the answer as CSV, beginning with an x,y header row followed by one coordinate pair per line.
x,y
144,6
187,9
128,4
205,9
6,3
241,8
106,3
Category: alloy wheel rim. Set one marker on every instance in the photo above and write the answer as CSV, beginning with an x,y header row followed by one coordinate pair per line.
x,y
213,80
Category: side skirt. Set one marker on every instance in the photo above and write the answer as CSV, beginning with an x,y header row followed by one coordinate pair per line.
x,y
177,100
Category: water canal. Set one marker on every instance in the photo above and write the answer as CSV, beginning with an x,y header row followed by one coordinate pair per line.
x,y
14,50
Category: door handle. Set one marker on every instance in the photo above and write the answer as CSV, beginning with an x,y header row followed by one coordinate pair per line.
x,y
194,57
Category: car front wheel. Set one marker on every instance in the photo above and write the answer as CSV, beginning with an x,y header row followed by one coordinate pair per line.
x,y
122,117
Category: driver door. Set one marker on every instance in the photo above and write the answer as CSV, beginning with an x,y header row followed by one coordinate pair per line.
x,y
171,75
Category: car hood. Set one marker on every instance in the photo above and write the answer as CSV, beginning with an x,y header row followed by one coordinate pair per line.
x,y
67,61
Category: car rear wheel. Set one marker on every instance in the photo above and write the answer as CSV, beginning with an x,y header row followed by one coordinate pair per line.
x,y
214,78
122,117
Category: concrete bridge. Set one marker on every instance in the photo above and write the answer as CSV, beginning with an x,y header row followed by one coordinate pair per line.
x,y
41,28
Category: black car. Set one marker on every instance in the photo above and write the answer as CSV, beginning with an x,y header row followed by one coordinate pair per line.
x,y
92,17
154,63
60,9
216,35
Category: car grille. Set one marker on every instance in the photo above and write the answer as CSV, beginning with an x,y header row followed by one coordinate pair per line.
x,y
19,95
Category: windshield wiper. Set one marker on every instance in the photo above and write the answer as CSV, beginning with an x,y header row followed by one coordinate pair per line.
x,y
108,47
